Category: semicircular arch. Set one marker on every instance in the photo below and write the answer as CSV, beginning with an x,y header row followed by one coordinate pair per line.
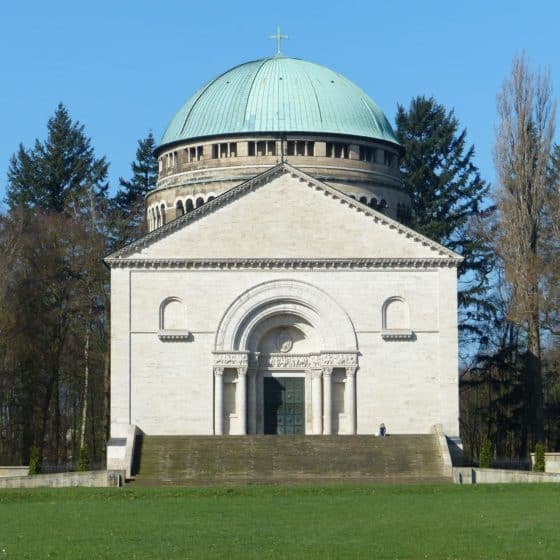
x,y
295,297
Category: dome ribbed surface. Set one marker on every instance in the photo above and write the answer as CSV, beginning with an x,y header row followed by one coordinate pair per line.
x,y
279,94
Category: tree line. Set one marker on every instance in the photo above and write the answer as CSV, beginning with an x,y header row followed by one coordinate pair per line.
x,y
60,221
509,281
54,292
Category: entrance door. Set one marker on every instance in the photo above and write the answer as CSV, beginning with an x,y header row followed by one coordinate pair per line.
x,y
284,405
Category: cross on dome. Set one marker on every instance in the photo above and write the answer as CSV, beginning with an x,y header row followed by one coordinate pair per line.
x,y
278,36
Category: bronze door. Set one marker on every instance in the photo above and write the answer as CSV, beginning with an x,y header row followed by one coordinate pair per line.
x,y
284,405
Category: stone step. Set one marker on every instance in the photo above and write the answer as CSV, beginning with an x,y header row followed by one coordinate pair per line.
x,y
200,460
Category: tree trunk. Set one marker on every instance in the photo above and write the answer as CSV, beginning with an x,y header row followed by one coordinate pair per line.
x,y
86,387
107,394
534,371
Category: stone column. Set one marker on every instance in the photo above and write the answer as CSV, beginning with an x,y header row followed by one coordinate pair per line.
x,y
316,398
327,401
218,401
308,403
242,149
350,398
242,388
320,149
252,399
260,402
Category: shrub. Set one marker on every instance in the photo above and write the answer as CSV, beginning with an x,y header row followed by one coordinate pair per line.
x,y
485,459
83,459
34,460
538,465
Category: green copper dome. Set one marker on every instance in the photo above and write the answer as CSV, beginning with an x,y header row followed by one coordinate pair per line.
x,y
279,94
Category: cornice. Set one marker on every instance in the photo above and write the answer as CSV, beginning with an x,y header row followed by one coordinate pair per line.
x,y
197,213
375,214
283,264
240,190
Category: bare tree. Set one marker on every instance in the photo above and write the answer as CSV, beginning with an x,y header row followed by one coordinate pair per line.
x,y
522,156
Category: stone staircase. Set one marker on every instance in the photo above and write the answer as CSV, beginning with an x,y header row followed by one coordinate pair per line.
x,y
208,460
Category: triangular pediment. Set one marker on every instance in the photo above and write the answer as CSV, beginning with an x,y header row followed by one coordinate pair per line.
x,y
283,214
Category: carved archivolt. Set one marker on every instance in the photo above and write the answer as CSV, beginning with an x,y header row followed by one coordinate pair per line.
x,y
289,297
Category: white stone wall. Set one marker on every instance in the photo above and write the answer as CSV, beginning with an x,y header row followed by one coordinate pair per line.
x,y
410,385
166,386
286,218
120,346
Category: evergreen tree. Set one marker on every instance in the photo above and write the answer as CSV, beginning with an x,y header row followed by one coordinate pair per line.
x,y
60,174
448,196
144,174
129,200
53,296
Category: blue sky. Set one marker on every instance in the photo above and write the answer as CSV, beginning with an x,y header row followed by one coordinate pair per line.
x,y
124,67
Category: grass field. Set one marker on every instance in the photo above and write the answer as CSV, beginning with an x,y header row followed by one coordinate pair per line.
x,y
482,521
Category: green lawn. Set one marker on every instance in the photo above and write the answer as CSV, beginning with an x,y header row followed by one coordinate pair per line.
x,y
483,521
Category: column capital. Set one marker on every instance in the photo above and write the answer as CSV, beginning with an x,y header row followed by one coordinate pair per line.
x,y
327,370
219,370
317,373
351,371
242,370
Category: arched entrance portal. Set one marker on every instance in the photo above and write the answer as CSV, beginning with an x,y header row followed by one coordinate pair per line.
x,y
285,360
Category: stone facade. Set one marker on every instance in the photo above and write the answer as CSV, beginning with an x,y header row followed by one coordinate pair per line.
x,y
191,173
284,276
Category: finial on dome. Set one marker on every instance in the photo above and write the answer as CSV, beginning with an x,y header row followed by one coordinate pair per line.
x,y
278,36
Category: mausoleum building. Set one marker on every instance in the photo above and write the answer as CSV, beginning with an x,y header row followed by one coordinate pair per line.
x,y
278,289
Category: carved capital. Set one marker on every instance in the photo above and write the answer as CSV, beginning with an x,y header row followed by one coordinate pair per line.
x,y
317,373
339,359
219,371
327,371
351,372
231,359
242,370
